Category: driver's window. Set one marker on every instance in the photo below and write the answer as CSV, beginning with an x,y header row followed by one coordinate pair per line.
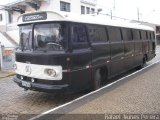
x,y
79,36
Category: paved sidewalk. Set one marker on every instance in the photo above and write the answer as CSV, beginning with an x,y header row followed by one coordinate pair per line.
x,y
140,94
137,94
6,73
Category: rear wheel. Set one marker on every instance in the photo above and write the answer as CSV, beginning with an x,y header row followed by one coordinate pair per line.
x,y
144,60
97,79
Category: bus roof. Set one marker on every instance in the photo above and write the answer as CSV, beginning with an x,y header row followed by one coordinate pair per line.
x,y
47,16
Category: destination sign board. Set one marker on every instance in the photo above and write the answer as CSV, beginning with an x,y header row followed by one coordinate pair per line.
x,y
35,16
8,52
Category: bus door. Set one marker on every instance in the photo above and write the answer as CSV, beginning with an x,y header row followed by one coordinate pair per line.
x,y
100,45
117,51
128,48
81,56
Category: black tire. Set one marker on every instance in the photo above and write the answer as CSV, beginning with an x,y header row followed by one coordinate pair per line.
x,y
144,60
97,79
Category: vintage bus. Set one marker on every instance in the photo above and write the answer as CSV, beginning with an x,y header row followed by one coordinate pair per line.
x,y
67,53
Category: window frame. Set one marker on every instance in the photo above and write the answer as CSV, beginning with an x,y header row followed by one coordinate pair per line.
x,y
83,10
10,17
92,10
87,10
65,6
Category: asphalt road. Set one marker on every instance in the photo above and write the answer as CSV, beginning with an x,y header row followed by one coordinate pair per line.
x,y
143,90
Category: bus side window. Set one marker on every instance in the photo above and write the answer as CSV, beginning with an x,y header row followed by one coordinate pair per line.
x,y
140,34
97,34
153,40
127,35
153,36
150,36
79,36
143,35
136,34
114,34
147,35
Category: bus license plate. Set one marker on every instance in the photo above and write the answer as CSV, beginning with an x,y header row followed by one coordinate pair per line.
x,y
26,84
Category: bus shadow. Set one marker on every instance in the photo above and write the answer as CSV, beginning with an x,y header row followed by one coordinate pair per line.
x,y
50,100
91,97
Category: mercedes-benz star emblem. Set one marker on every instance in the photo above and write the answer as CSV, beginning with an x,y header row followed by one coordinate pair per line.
x,y
28,69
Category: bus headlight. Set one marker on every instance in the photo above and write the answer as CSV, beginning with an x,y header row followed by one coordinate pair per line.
x,y
51,72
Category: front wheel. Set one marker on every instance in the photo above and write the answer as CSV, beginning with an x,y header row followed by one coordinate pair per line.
x,y
97,79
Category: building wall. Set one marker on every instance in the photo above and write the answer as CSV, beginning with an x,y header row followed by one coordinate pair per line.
x,y
3,23
50,5
47,5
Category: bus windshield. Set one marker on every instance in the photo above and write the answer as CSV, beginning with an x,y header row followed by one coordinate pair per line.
x,y
47,37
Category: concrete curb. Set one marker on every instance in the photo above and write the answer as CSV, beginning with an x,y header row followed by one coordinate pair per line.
x,y
71,105
8,74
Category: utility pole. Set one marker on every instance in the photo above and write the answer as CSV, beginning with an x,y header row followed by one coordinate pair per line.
x,y
138,14
114,4
111,14
113,11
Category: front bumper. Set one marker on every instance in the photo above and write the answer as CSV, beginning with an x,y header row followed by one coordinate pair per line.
x,y
64,88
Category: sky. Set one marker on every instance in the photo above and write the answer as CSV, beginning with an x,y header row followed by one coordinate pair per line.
x,y
149,10
3,2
